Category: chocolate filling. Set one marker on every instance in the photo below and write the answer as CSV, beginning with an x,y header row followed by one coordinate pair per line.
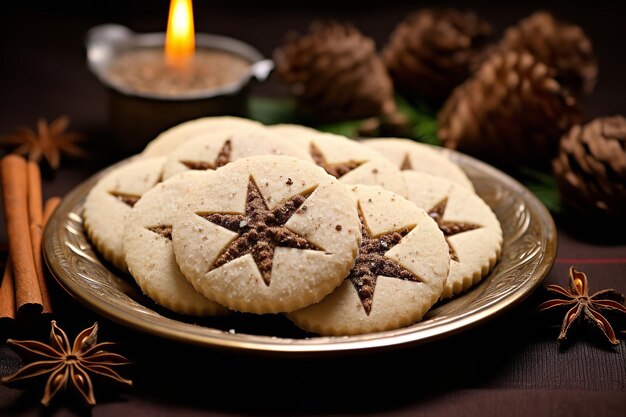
x,y
406,163
449,228
199,165
128,199
372,262
223,158
164,231
260,231
336,170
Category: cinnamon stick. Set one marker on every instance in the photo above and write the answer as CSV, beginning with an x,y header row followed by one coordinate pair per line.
x,y
35,217
51,204
7,293
14,189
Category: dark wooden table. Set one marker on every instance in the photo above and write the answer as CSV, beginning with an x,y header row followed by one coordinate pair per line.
x,y
509,366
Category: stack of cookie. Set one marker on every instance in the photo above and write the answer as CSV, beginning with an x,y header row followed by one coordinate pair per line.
x,y
224,214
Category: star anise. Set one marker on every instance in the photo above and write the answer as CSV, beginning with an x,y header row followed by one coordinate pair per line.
x,y
49,142
583,307
63,363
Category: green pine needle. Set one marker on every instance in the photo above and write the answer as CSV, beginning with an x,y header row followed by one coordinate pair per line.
x,y
270,111
543,185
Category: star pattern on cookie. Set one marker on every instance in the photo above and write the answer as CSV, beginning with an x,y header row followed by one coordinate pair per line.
x,y
223,157
128,199
372,262
406,163
260,230
449,228
163,231
336,170
131,199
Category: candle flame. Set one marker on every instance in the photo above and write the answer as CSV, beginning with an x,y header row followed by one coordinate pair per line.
x,y
180,41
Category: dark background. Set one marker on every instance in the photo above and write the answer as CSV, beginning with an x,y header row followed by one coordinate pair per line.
x,y
509,366
51,32
43,71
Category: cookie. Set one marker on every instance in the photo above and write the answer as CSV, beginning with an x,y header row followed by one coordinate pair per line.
x,y
147,244
295,133
215,149
346,159
111,199
266,234
172,138
398,275
472,230
410,155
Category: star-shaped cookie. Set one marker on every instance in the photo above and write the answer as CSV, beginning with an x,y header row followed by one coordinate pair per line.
x,y
171,139
108,203
398,275
345,159
409,155
372,262
148,252
260,230
214,150
472,230
266,234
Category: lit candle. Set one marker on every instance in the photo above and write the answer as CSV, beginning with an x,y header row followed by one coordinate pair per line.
x,y
180,41
177,68
157,80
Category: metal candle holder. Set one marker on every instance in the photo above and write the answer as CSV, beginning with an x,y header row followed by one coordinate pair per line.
x,y
136,118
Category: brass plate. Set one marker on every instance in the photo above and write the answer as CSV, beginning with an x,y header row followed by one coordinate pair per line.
x,y
528,254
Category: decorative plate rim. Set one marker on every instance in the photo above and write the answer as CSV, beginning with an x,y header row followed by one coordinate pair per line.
x,y
65,221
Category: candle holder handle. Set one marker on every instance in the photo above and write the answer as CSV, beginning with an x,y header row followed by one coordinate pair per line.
x,y
107,34
101,43
262,69
137,117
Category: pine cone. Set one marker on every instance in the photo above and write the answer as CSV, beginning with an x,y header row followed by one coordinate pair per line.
x,y
511,110
335,73
560,45
591,169
432,51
